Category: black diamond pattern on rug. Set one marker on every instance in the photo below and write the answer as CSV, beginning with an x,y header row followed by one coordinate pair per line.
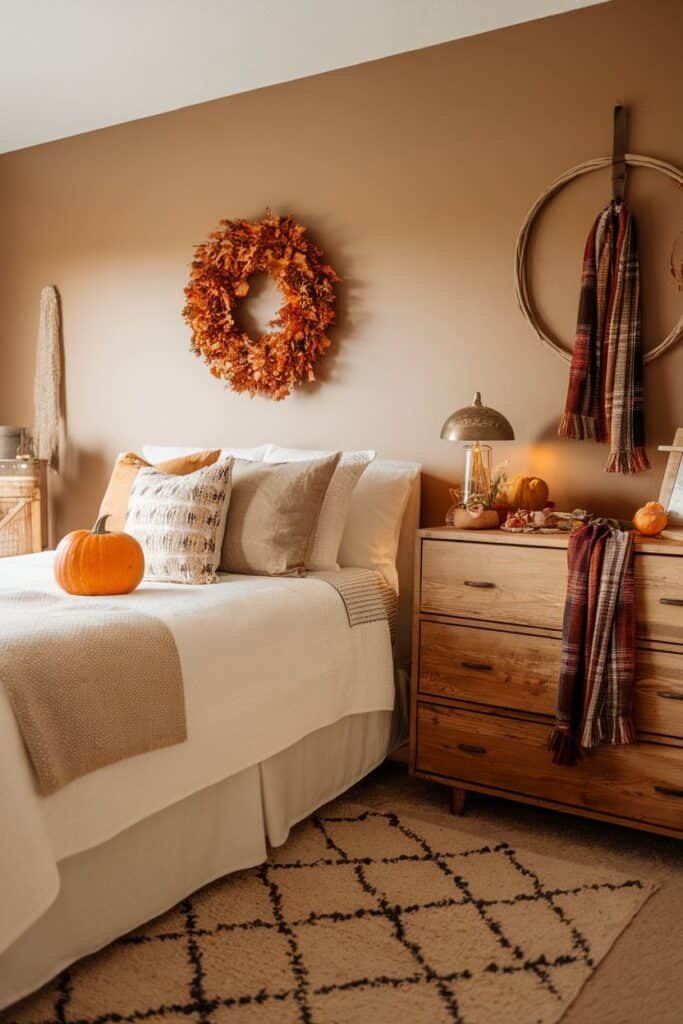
x,y
363,916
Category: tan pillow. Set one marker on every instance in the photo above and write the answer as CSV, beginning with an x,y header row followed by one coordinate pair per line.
x,y
115,500
335,510
274,511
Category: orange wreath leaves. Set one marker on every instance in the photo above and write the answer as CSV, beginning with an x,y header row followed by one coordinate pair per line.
x,y
280,359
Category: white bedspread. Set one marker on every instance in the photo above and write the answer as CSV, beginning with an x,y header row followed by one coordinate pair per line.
x,y
264,661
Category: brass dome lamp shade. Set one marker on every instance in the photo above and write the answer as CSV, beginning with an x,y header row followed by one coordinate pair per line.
x,y
472,425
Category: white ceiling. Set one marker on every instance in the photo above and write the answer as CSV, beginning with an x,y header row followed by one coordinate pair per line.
x,y
69,66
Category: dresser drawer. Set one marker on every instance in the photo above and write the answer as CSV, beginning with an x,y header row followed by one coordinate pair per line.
x,y
496,582
643,782
659,590
659,693
510,670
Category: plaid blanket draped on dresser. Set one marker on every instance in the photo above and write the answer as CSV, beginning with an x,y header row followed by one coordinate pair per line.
x,y
605,396
595,692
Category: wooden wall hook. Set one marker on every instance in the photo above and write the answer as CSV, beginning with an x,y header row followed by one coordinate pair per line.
x,y
619,154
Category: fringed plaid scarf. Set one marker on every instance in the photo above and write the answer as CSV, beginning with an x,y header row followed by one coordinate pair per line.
x,y
598,644
605,394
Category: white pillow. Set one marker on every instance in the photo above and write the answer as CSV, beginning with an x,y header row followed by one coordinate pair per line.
x,y
161,452
378,503
324,549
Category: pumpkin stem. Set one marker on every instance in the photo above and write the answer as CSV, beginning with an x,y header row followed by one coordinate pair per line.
x,y
101,525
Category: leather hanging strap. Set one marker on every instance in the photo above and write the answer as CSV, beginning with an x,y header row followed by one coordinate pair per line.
x,y
619,154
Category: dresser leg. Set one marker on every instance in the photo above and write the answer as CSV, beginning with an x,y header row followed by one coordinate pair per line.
x,y
458,800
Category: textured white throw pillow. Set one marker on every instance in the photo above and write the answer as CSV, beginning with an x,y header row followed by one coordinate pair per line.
x,y
179,521
162,452
324,549
373,527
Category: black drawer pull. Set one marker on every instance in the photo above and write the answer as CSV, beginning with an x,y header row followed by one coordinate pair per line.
x,y
669,790
477,666
670,694
470,748
677,602
484,584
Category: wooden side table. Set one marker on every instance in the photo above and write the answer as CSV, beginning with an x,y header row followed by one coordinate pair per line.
x,y
22,506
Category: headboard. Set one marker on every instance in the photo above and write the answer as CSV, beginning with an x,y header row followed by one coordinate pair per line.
x,y
405,563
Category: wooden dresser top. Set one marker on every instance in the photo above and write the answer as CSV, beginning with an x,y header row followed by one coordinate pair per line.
x,y
651,545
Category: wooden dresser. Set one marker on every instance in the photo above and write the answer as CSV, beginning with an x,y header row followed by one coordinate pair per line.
x,y
487,643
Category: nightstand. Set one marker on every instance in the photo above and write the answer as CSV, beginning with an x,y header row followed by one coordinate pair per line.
x,y
23,511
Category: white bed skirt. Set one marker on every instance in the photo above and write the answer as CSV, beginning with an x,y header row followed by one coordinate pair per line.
x,y
141,872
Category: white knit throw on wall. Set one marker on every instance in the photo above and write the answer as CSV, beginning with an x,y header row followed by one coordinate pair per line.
x,y
47,379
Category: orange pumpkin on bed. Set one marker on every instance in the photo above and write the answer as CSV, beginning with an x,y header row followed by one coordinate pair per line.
x,y
96,562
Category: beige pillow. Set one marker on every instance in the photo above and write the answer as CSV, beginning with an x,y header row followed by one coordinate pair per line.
x,y
179,521
274,511
335,508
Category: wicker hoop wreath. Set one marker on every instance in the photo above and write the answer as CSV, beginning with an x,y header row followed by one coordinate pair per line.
x,y
282,358
522,289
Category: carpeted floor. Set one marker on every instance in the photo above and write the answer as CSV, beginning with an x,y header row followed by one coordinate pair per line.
x,y
369,914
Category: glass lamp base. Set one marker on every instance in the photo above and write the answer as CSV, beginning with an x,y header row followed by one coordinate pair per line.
x,y
477,473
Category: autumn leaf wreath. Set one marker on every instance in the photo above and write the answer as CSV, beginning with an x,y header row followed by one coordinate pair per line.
x,y
279,359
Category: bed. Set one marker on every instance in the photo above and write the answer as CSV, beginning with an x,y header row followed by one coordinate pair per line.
x,y
287,707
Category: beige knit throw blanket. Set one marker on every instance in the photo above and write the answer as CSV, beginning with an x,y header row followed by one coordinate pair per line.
x,y
90,682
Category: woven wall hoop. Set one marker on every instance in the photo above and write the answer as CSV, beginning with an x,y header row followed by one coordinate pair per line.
x,y
522,289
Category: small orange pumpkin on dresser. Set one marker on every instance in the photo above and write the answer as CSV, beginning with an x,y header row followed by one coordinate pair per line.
x,y
97,563
651,519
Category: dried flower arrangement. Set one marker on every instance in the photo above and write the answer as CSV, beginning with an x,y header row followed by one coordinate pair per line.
x,y
544,520
547,520
478,502
280,359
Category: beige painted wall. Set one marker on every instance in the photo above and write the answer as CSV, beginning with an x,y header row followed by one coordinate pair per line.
x,y
414,173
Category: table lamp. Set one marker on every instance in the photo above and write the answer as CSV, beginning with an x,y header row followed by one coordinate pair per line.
x,y
471,426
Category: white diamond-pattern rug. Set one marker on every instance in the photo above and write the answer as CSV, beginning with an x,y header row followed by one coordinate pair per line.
x,y
362,917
